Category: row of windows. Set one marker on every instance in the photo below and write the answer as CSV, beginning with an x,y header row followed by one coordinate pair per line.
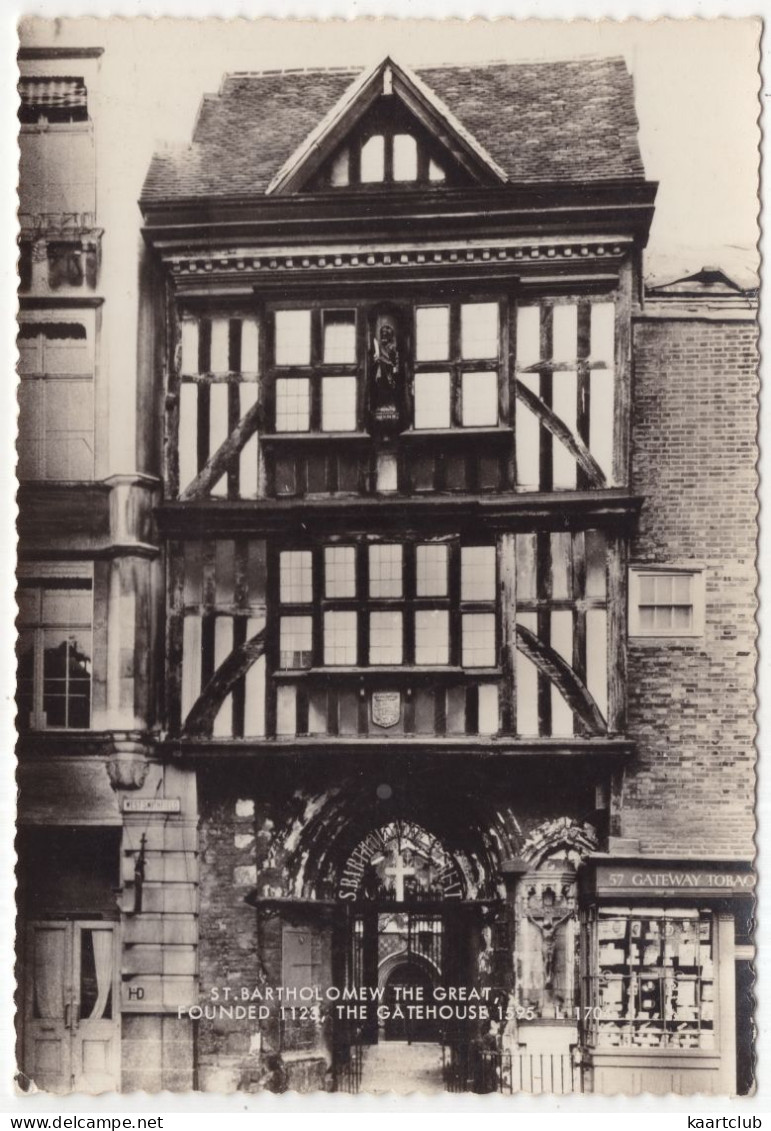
x,y
386,635
55,620
478,334
385,569
383,158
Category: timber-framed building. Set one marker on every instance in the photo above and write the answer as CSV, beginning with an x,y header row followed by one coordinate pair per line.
x,y
446,576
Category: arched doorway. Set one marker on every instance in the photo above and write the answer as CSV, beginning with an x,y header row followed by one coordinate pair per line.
x,y
410,985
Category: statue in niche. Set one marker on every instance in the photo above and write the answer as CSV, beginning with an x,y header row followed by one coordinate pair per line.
x,y
386,379
547,914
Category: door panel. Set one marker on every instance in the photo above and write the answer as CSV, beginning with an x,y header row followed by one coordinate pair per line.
x,y
47,1054
71,1036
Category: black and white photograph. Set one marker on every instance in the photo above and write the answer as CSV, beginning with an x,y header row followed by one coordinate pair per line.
x,y
387,531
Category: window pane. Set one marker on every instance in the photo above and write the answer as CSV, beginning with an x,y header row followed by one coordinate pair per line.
x,y
432,636
663,584
385,638
340,571
338,404
293,404
293,337
477,573
479,329
340,637
339,173
646,617
373,159
647,589
405,158
682,618
431,571
479,399
681,589
385,571
67,678
432,400
662,617
339,337
478,640
296,577
432,331
296,642
435,172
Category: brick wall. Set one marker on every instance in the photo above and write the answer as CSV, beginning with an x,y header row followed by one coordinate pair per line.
x,y
691,703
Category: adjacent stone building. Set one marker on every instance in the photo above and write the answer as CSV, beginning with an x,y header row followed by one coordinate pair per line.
x,y
421,708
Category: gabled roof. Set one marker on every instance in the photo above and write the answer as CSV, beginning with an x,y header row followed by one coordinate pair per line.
x,y
398,82
707,281
561,122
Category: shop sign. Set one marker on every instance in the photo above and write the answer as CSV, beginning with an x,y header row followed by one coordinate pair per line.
x,y
646,879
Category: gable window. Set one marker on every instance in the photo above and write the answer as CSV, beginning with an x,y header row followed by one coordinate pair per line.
x,y
48,98
465,337
54,653
383,158
56,399
666,602
405,157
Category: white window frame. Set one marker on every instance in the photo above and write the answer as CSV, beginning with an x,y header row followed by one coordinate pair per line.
x,y
39,576
698,590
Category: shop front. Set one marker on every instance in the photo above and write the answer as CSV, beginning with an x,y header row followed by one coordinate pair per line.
x,y
659,973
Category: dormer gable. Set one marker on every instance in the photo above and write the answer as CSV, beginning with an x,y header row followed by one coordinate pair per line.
x,y
388,130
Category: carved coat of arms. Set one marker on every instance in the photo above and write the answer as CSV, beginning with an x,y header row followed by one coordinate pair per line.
x,y
386,708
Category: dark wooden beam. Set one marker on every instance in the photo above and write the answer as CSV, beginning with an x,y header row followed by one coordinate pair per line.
x,y
552,423
217,464
577,695
200,720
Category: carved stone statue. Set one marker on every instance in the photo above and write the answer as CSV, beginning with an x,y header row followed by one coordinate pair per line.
x,y
386,373
547,918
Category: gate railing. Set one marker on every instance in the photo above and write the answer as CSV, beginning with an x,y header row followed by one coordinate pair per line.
x,y
348,1067
469,1068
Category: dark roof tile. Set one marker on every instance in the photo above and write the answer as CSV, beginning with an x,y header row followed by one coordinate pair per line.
x,y
558,122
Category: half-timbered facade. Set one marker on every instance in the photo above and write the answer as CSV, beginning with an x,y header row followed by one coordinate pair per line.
x,y
395,776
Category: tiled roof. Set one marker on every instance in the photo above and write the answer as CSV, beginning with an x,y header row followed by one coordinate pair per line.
x,y
544,123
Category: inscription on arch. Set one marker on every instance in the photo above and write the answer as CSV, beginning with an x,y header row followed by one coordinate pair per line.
x,y
400,862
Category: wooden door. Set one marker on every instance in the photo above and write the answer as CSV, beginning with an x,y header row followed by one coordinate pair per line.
x,y
71,1018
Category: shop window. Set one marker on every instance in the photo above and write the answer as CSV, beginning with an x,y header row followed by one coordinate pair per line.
x,y
52,99
655,982
54,653
56,400
666,602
